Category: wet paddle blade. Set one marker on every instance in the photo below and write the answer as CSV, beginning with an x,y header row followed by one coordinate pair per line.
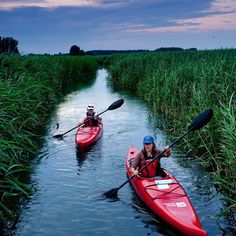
x,y
116,104
57,136
111,193
201,120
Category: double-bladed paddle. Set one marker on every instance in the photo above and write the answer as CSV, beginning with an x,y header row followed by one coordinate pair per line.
x,y
113,106
200,121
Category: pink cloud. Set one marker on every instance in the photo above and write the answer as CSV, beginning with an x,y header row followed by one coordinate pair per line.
x,y
49,3
46,3
223,19
8,5
211,22
222,6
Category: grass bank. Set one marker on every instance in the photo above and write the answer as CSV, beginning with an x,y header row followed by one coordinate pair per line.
x,y
30,87
180,85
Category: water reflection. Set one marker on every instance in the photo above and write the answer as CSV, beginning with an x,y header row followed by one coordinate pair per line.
x,y
151,221
80,156
68,182
90,153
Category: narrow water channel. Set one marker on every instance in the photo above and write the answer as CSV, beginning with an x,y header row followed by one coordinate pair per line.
x,y
68,197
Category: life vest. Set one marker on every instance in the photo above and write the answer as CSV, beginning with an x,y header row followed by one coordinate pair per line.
x,y
150,170
89,120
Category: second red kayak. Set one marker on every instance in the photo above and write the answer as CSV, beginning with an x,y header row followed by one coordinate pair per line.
x,y
166,198
86,136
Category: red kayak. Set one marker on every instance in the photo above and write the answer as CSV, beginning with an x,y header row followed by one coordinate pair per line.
x,y
86,136
166,198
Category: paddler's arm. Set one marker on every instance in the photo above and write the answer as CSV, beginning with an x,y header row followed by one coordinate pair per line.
x,y
134,166
82,119
134,171
167,151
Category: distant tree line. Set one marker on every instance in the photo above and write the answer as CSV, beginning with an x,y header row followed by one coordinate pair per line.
x,y
162,49
109,52
173,49
8,45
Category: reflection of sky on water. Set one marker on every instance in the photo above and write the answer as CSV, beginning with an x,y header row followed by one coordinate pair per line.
x,y
68,183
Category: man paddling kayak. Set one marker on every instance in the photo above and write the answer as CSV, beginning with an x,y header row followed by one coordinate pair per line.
x,y
149,152
90,119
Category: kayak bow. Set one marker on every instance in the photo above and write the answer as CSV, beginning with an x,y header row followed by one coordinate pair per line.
x,y
86,136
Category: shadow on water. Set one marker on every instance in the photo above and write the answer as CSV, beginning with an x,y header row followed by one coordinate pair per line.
x,y
150,220
88,154
80,156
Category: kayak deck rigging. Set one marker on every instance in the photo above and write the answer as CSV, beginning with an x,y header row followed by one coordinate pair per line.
x,y
164,193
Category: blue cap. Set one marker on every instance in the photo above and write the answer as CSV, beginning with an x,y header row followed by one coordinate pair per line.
x,y
148,139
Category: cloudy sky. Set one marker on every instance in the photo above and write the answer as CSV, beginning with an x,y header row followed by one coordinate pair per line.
x,y
53,26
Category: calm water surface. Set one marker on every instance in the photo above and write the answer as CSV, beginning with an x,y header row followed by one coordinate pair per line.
x,y
68,186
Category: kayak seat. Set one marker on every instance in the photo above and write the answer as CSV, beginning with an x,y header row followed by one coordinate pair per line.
x,y
160,172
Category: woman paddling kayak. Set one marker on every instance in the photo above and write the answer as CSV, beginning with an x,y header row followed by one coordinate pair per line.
x,y
166,199
90,129
90,118
149,152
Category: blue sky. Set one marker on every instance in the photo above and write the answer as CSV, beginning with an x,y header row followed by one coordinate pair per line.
x,y
53,26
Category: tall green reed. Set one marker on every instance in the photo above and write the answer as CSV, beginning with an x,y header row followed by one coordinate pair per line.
x,y
30,86
180,85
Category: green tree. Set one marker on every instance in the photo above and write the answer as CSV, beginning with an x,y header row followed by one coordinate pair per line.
x,y
75,50
8,45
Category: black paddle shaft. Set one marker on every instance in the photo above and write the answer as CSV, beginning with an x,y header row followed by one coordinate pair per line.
x,y
200,121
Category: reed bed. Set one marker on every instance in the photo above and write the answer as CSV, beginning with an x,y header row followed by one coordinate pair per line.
x,y
30,87
180,85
